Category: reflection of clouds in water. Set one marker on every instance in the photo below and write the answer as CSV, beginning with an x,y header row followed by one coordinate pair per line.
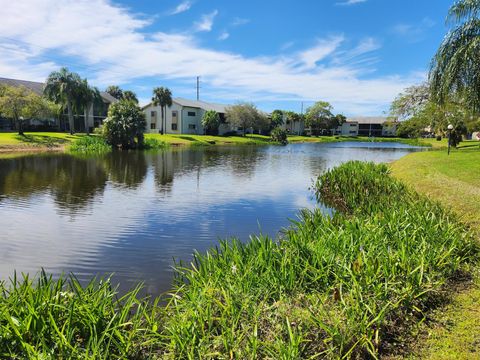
x,y
38,236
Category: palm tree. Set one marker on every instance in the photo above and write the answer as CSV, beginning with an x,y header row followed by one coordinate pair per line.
x,y
130,96
163,97
62,87
455,69
87,97
115,91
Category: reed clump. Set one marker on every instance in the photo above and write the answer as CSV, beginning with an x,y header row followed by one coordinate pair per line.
x,y
60,319
90,145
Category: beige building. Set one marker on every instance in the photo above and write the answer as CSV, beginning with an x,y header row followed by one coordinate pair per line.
x,y
184,117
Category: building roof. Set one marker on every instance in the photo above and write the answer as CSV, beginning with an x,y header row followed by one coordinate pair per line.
x,y
109,98
368,119
220,108
37,87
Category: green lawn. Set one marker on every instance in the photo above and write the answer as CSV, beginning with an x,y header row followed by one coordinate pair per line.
x,y
58,140
453,179
187,139
36,139
455,182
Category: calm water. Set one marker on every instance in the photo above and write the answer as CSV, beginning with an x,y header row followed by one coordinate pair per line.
x,y
133,213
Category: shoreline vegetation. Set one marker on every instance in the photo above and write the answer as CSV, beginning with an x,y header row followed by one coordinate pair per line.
x,y
35,142
355,284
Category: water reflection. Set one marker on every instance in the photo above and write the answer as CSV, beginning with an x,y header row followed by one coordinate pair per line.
x,y
131,213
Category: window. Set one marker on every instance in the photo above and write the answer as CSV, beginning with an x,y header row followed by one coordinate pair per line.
x,y
153,114
352,125
153,126
192,113
174,126
192,126
174,114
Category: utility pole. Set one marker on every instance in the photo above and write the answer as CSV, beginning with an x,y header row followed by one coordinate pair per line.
x,y
198,88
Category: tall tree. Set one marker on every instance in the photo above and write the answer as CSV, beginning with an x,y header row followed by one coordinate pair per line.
x,y
20,103
244,115
130,96
87,97
455,69
319,116
62,87
211,122
410,102
293,118
115,91
162,97
276,119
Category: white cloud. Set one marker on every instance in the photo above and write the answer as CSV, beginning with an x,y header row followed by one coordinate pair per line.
x,y
413,32
206,22
182,7
240,21
320,51
350,2
224,36
109,46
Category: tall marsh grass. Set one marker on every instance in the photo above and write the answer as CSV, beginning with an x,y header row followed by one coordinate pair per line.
x,y
60,319
90,145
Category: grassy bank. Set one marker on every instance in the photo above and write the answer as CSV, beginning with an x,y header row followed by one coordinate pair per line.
x,y
455,182
10,142
330,287
264,140
48,141
453,179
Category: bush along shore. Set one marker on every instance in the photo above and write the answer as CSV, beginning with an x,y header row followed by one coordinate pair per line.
x,y
349,285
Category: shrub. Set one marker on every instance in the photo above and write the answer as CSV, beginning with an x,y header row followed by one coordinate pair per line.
x,y
125,123
439,138
279,135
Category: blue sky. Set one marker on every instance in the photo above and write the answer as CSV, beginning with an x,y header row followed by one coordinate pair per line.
x,y
356,54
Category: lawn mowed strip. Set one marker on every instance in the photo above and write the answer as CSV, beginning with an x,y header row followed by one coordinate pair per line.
x,y
454,181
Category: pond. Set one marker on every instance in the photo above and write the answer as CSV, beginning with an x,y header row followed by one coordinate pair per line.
x,y
133,213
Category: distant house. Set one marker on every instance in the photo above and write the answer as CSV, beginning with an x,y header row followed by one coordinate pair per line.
x,y
95,117
368,126
184,117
